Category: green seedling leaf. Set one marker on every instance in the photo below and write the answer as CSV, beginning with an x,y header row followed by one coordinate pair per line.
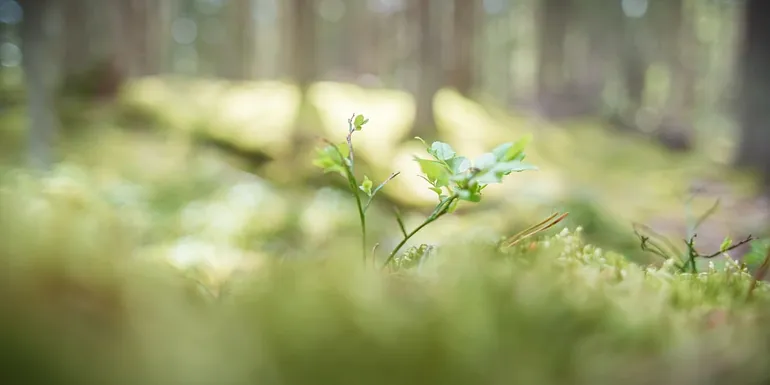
x,y
516,151
330,159
366,185
459,164
437,191
725,244
510,151
470,195
359,122
485,161
436,172
442,151
500,151
496,173
513,166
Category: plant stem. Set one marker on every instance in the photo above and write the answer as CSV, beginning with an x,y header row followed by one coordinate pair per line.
x,y
440,210
353,185
362,217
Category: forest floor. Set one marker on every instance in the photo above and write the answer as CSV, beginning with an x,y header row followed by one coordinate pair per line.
x,y
91,304
603,177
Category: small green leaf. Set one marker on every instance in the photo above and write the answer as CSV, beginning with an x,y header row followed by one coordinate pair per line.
x,y
513,166
516,152
442,151
459,164
485,161
359,122
436,172
330,160
725,244
366,186
496,173
501,150
469,195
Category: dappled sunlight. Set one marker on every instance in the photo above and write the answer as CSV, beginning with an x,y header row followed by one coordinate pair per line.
x,y
467,126
252,115
157,97
390,115
257,116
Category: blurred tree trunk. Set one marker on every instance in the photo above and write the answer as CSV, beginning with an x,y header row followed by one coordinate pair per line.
x,y
365,43
675,130
134,25
600,22
633,68
240,27
464,34
554,20
303,42
77,38
429,68
97,50
755,90
40,108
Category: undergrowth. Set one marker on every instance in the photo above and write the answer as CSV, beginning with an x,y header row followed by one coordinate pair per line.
x,y
83,304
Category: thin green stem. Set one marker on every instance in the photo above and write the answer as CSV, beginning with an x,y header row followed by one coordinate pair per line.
x,y
353,184
441,209
362,217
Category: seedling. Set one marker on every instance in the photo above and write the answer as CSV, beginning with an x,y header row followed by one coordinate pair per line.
x,y
661,246
452,177
338,159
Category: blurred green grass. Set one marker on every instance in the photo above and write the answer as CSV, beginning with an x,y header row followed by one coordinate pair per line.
x,y
82,303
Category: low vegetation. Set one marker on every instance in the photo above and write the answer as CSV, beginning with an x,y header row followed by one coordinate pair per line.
x,y
160,282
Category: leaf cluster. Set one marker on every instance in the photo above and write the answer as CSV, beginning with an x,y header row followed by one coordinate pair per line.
x,y
452,177
450,174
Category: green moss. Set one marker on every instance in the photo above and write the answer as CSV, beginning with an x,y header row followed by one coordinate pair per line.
x,y
88,307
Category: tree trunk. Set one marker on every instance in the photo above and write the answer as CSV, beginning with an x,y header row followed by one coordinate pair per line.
x,y
554,17
755,91
675,130
77,39
240,27
133,25
596,21
633,72
464,31
676,36
429,70
303,42
40,109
